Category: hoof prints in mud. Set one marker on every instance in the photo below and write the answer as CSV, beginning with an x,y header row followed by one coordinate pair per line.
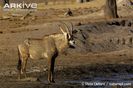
x,y
81,72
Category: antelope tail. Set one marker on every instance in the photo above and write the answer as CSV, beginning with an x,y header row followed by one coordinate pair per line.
x,y
19,65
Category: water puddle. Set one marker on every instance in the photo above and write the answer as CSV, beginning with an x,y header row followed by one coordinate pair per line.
x,y
125,80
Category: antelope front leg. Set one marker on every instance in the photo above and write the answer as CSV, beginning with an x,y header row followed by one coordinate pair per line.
x,y
52,70
19,67
51,62
49,70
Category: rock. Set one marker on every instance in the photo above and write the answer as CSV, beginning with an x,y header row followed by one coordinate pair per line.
x,y
68,13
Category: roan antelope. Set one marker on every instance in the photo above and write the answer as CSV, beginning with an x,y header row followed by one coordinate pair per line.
x,y
48,47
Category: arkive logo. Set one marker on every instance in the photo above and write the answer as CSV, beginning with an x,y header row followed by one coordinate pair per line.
x,y
22,5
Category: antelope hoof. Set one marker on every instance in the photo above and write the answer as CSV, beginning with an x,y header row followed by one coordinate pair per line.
x,y
25,76
51,81
19,77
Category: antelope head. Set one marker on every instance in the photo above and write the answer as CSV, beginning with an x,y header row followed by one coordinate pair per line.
x,y
68,33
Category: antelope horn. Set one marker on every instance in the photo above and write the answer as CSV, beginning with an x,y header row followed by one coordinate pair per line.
x,y
71,28
66,27
61,29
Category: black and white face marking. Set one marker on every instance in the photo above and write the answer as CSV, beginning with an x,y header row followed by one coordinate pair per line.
x,y
71,43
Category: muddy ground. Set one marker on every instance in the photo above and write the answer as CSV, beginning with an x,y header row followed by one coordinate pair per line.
x,y
103,47
94,55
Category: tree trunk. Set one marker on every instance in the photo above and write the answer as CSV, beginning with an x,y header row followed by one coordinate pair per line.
x,y
110,9
79,1
86,0
5,2
46,2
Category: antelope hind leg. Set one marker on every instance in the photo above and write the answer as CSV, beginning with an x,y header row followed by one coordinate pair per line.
x,y
24,67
